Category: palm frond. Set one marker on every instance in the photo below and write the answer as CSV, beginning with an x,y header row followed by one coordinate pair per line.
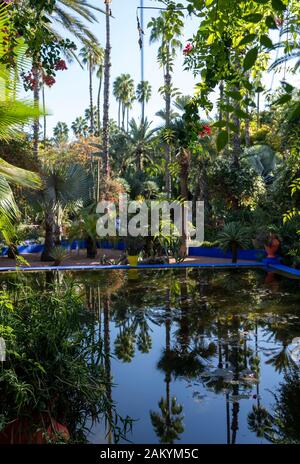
x,y
75,26
19,176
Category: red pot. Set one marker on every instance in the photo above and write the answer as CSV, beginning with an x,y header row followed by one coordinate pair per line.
x,y
23,431
272,248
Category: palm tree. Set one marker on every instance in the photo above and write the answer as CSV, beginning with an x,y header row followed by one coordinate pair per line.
x,y
139,139
88,115
168,425
117,95
99,75
61,132
143,95
107,65
172,115
63,186
80,127
293,49
124,94
67,14
181,102
166,29
91,57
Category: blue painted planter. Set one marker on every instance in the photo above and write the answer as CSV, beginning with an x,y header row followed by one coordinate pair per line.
x,y
75,245
252,255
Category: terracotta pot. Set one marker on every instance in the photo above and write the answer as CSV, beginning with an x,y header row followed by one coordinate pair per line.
x,y
22,431
272,248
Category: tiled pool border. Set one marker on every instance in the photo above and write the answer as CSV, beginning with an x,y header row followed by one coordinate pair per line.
x,y
126,267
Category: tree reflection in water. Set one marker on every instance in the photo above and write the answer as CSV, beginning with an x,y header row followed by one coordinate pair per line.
x,y
222,329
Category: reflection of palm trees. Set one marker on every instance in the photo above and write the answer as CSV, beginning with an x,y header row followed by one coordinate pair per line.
x,y
168,425
282,360
107,361
125,345
259,421
281,333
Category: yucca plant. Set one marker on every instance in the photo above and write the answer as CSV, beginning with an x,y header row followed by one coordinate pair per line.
x,y
234,236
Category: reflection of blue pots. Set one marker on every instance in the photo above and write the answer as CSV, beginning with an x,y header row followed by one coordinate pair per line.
x,y
271,261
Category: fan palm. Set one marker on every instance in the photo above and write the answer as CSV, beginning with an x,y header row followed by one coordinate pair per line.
x,y
80,127
123,89
143,95
63,186
61,132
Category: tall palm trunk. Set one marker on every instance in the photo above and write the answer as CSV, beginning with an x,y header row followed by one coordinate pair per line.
x,y
36,123
99,106
91,96
119,115
127,119
184,161
139,159
107,65
143,109
168,120
44,115
49,233
123,115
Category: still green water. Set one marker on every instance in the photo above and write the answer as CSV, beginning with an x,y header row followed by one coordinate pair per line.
x,y
195,356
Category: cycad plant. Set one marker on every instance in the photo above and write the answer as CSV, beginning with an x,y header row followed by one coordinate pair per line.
x,y
234,236
139,140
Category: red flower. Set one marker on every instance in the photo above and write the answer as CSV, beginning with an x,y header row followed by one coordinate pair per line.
x,y
188,48
61,65
278,21
49,80
206,130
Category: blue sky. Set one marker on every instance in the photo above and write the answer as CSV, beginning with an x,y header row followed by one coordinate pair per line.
x,y
69,97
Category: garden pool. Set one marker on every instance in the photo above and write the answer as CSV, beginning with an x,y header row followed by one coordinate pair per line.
x,y
194,355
